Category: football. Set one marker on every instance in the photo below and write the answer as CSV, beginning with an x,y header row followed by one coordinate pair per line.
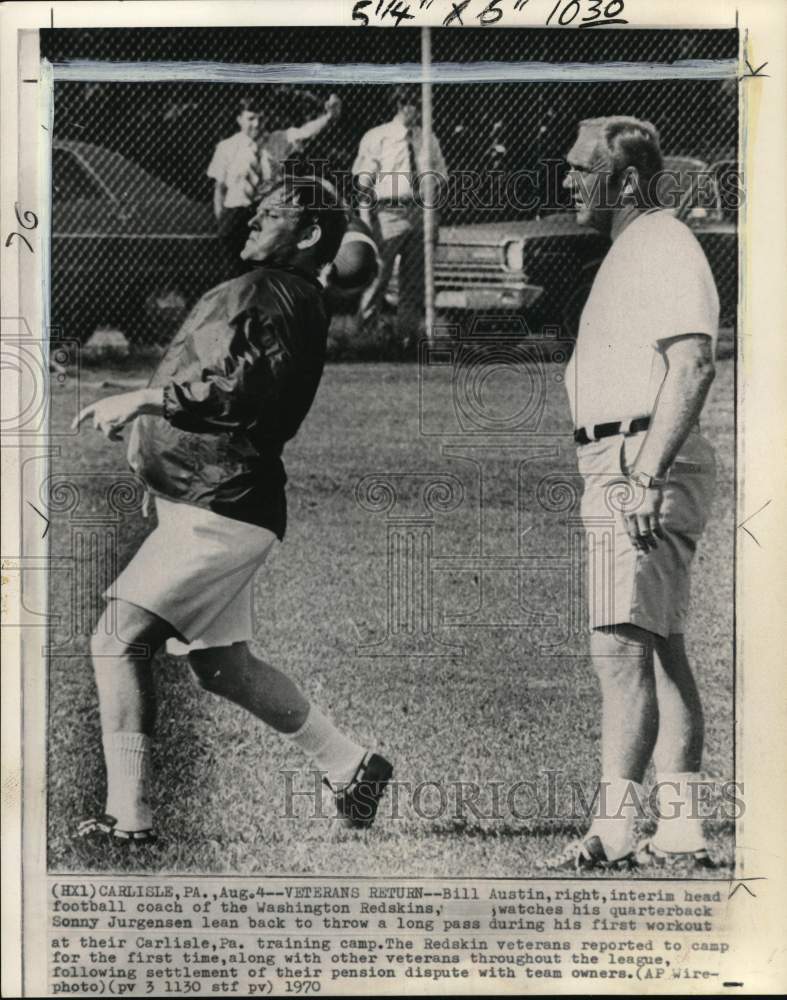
x,y
355,265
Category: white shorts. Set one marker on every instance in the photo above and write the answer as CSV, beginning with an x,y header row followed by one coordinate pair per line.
x,y
196,571
624,585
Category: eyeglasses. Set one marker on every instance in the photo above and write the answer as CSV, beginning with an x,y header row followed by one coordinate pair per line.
x,y
579,168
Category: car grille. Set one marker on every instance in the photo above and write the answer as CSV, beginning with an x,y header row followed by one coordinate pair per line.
x,y
462,254
474,274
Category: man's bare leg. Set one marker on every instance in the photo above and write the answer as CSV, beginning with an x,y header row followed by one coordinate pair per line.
x,y
682,725
623,660
678,753
127,707
234,672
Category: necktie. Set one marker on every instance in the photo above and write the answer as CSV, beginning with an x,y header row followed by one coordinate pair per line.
x,y
253,178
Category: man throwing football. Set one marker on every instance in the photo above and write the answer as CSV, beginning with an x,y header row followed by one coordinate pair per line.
x,y
207,439
637,383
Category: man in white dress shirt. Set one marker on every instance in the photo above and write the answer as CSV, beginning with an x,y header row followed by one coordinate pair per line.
x,y
390,166
247,165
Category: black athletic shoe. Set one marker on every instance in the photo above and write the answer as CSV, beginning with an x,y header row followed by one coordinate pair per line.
x,y
104,829
588,855
650,856
357,801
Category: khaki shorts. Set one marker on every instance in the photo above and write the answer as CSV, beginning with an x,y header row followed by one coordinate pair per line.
x,y
196,571
648,589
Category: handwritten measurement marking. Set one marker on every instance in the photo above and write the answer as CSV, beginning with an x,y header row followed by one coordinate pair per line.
x,y
590,13
492,8
25,223
594,17
456,13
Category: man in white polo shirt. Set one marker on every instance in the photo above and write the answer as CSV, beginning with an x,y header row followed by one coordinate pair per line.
x,y
637,382
248,164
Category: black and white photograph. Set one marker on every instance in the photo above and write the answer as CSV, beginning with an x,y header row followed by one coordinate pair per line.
x,y
475,584
392,499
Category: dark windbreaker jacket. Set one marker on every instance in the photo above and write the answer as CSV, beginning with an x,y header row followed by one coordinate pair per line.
x,y
239,378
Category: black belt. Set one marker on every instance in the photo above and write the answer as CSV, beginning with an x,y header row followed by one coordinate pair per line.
x,y
598,431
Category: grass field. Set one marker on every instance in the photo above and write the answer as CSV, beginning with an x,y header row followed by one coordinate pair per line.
x,y
504,711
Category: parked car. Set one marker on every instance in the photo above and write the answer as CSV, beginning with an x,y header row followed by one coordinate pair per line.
x,y
128,250
542,269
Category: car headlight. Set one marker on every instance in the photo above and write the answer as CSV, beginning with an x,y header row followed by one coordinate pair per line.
x,y
513,255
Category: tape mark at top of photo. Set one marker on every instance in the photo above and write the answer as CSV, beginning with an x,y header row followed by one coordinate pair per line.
x,y
439,72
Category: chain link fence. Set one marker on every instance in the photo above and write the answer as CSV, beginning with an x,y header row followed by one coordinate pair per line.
x,y
134,234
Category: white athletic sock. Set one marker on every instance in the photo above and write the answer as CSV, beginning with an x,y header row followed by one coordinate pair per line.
x,y
680,828
127,757
330,750
618,806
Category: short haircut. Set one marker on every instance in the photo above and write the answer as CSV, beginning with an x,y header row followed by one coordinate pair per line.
x,y
249,103
320,204
630,142
405,93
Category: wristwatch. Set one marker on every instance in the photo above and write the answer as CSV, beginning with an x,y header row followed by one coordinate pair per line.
x,y
644,480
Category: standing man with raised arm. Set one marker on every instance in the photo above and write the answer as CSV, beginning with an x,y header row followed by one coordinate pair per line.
x,y
249,164
638,380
